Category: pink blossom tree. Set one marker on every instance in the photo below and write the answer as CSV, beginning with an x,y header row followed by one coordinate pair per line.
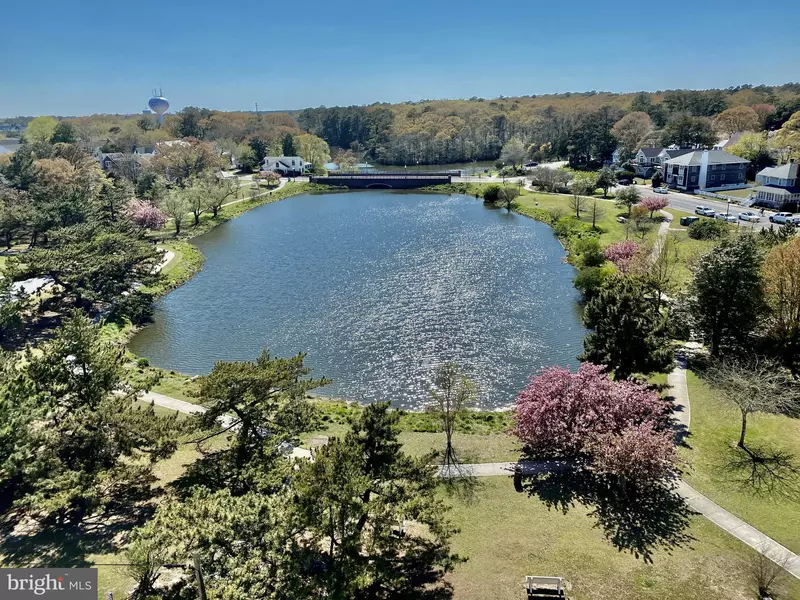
x,y
621,253
638,454
146,214
561,413
654,203
270,177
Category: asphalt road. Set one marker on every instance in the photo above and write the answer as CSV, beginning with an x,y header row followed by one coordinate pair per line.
x,y
688,202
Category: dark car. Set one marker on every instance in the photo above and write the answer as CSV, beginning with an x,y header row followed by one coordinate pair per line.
x,y
533,163
625,181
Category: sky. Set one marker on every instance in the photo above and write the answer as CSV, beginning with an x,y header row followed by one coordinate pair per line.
x,y
79,58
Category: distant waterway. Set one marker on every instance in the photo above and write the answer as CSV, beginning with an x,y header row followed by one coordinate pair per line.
x,y
378,288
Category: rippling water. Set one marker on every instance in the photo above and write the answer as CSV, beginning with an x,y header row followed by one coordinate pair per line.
x,y
378,288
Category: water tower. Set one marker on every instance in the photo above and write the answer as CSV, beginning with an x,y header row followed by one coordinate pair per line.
x,y
159,105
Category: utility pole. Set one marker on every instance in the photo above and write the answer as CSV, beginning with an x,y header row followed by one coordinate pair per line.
x,y
198,574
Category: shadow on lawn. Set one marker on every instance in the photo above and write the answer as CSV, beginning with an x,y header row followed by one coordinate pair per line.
x,y
46,545
635,520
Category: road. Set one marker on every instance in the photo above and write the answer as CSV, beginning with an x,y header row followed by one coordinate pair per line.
x,y
688,202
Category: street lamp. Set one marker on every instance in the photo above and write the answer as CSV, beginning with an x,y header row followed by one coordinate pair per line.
x,y
503,172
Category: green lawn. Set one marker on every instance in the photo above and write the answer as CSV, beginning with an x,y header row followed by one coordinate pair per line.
x,y
714,432
538,205
507,535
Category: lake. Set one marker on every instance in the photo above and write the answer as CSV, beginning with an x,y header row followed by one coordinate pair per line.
x,y
378,287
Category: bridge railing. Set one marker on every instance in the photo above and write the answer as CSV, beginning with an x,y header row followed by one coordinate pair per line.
x,y
386,176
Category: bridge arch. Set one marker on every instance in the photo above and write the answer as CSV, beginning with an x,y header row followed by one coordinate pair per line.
x,y
379,186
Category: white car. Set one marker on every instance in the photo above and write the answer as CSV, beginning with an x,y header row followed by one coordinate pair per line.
x,y
725,217
751,217
781,217
706,211
661,190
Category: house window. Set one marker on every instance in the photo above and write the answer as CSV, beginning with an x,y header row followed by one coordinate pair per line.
x,y
292,163
722,177
713,177
694,178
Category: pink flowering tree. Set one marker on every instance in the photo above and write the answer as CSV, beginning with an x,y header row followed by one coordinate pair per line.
x,y
654,203
622,254
146,214
560,412
638,454
270,177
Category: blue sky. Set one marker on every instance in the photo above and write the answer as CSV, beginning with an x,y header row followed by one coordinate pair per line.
x,y
77,57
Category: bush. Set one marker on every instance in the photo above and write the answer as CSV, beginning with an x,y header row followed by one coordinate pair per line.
x,y
589,252
589,281
491,193
142,362
707,229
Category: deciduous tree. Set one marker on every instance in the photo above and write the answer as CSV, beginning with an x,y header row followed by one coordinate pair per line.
x,y
631,129
738,118
654,203
782,292
627,198
513,152
452,395
40,129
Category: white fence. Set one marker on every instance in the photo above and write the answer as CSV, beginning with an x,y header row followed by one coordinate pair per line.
x,y
725,198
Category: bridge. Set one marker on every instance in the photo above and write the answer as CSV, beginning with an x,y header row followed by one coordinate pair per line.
x,y
387,180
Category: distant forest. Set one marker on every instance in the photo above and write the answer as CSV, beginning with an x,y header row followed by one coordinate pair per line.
x,y
574,126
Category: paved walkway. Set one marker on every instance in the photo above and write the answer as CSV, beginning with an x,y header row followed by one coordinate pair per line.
x,y
696,501
682,411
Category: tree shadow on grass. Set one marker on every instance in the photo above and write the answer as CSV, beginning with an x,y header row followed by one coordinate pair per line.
x,y
639,520
763,471
25,542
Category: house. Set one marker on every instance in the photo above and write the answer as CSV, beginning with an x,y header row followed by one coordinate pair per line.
x,y
290,166
109,160
144,150
729,140
780,186
616,156
646,161
705,170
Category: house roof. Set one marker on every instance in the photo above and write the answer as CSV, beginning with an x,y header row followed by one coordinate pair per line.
x,y
650,152
788,191
787,171
676,152
715,157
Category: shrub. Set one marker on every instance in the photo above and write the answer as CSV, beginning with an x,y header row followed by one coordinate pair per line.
x,y
491,193
142,362
589,252
589,281
707,229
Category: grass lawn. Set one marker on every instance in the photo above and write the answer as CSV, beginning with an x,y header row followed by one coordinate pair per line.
x,y
506,535
743,193
714,432
538,205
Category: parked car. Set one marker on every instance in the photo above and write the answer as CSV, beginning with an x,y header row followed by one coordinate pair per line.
x,y
750,217
781,217
728,218
704,210
661,190
795,221
531,164
625,181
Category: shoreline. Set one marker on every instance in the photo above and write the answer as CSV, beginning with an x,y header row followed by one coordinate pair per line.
x,y
471,190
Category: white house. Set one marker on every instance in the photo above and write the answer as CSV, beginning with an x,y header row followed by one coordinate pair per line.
x,y
285,165
780,186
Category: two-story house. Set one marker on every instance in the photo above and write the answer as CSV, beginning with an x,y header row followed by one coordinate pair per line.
x,y
705,170
290,166
646,161
780,186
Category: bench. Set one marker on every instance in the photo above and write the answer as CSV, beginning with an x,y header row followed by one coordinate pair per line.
x,y
621,219
544,586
